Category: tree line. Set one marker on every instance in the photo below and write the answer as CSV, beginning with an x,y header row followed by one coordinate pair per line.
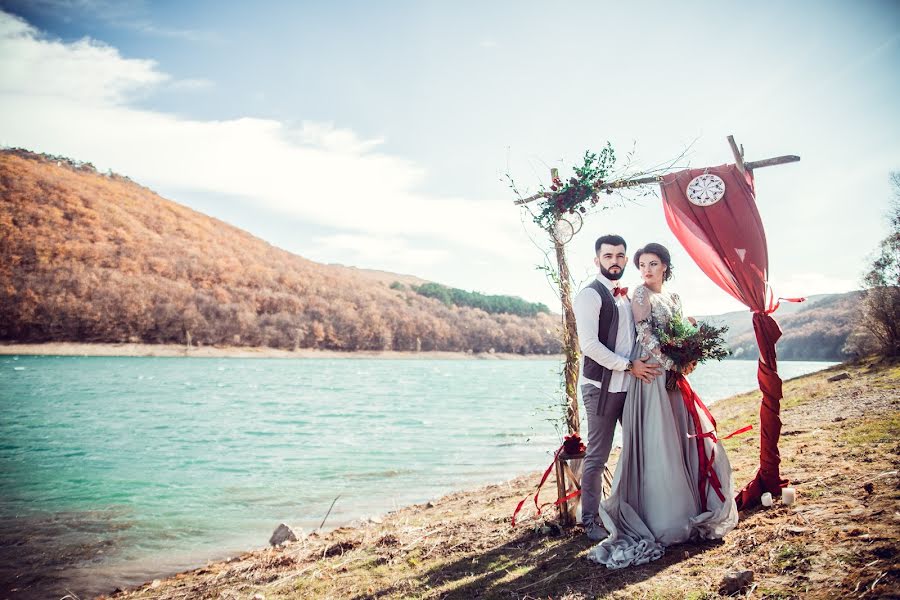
x,y
492,304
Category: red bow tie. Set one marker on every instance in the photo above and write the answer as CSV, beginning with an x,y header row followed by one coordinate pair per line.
x,y
620,291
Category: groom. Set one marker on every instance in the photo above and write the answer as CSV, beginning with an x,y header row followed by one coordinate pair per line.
x,y
606,335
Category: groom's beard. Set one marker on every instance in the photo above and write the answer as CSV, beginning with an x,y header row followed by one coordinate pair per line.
x,y
612,276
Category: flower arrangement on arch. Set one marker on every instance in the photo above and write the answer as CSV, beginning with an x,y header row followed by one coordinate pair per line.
x,y
578,191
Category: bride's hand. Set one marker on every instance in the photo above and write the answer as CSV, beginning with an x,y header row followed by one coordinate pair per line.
x,y
692,321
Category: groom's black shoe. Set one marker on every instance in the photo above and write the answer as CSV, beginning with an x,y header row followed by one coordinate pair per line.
x,y
594,531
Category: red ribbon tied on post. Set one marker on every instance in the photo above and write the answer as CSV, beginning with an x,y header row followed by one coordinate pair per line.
x,y
571,445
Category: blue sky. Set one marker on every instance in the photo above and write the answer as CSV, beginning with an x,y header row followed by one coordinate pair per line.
x,y
377,134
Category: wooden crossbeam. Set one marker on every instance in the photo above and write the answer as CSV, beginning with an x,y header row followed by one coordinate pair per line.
x,y
738,154
626,183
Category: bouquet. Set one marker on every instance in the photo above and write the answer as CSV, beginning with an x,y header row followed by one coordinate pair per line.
x,y
685,343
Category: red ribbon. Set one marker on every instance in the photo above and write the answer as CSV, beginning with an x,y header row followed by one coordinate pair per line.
x,y
540,485
537,493
707,474
778,303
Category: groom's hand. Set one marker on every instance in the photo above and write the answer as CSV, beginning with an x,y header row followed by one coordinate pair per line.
x,y
645,371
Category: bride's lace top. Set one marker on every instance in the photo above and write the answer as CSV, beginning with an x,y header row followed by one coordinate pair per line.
x,y
651,311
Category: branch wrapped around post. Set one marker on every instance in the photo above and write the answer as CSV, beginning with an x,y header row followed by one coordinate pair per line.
x,y
570,341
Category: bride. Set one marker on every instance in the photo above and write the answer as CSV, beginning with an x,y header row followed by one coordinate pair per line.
x,y
659,496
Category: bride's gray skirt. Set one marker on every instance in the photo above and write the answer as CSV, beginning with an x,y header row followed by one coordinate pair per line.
x,y
655,501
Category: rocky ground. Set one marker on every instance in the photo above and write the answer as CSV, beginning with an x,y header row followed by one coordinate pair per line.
x,y
839,447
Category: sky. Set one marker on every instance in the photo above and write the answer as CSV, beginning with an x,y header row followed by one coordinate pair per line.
x,y
380,134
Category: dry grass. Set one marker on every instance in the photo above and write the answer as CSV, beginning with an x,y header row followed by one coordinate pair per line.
x,y
839,448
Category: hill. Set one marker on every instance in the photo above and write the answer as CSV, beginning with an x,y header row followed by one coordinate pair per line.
x,y
92,257
813,330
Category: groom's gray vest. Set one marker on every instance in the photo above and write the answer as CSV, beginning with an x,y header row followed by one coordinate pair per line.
x,y
606,332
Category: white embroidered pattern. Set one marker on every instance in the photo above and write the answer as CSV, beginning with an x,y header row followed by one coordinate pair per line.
x,y
663,306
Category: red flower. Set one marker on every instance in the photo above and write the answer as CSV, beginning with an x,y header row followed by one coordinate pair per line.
x,y
572,444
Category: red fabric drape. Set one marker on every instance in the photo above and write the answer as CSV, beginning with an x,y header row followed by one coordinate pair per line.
x,y
728,242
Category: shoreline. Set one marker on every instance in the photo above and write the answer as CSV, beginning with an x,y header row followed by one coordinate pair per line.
x,y
180,351
134,350
835,539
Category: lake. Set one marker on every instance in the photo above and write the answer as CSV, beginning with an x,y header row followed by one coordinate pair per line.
x,y
114,471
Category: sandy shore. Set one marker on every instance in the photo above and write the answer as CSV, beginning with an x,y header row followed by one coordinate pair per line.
x,y
80,349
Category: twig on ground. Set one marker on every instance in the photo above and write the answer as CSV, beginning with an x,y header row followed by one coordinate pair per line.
x,y
879,578
430,550
322,524
417,540
551,576
879,476
290,576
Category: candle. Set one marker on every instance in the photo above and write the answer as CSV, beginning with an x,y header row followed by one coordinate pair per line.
x,y
766,499
788,495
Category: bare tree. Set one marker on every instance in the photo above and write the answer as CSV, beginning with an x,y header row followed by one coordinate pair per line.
x,y
881,305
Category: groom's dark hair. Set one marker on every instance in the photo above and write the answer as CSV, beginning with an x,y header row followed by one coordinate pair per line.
x,y
612,240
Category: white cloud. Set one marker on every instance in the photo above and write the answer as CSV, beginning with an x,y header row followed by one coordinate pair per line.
x,y
73,99
342,141
376,252
84,71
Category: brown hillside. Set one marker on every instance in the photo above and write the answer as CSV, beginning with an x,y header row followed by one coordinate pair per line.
x,y
97,258
815,330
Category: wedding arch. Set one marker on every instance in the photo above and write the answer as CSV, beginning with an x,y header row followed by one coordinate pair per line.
x,y
712,212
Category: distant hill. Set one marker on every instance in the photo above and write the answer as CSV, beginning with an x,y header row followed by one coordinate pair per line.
x,y
93,257
813,330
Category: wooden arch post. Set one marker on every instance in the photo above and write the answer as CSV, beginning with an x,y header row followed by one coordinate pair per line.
x,y
569,333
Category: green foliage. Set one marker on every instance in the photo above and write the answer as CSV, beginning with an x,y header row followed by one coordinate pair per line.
x,y
684,343
578,190
397,286
489,304
880,430
791,557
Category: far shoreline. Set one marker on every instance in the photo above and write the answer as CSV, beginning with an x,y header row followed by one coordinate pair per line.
x,y
136,350
180,351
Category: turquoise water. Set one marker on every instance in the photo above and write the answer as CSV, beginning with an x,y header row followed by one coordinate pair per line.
x,y
117,470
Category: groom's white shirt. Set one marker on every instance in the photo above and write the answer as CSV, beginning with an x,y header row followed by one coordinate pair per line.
x,y
587,316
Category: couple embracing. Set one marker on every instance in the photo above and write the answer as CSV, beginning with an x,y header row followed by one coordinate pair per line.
x,y
655,499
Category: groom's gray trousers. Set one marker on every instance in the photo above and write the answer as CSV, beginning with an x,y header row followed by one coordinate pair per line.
x,y
602,416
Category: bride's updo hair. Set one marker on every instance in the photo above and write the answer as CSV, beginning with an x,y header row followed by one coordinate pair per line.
x,y
661,251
